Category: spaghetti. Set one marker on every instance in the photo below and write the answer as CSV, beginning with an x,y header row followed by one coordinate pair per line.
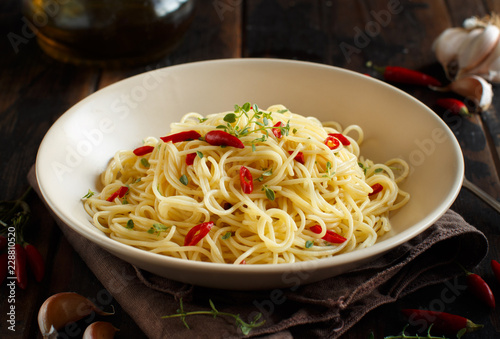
x,y
312,195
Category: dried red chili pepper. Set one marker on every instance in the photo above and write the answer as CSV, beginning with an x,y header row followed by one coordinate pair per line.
x,y
198,232
119,193
190,158
20,266
143,150
332,142
342,138
246,180
442,322
181,136
407,76
479,288
277,131
495,266
35,261
3,267
221,138
3,242
375,189
453,105
299,157
330,236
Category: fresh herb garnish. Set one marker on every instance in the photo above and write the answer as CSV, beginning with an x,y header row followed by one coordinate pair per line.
x,y
227,235
145,162
184,180
240,323
309,243
266,173
130,224
88,195
260,118
269,193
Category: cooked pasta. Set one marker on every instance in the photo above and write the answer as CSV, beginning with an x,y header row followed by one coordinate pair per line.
x,y
269,187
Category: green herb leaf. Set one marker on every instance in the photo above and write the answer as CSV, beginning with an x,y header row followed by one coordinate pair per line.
x,y
269,193
199,154
246,106
309,243
184,180
230,117
227,235
145,162
159,227
88,195
282,111
130,224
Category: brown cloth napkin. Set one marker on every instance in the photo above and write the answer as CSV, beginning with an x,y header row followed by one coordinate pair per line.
x,y
324,309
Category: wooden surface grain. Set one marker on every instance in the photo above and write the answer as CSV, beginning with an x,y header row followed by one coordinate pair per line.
x,y
35,90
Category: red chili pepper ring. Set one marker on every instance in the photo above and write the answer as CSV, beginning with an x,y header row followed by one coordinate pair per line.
x,y
246,180
198,232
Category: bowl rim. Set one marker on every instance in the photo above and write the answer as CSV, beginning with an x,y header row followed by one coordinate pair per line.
x,y
357,255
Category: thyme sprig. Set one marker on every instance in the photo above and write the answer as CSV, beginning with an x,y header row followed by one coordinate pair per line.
x,y
260,118
428,335
240,323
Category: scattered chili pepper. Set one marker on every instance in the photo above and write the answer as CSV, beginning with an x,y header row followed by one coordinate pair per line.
x,y
479,288
3,242
143,150
277,131
35,261
3,267
332,142
118,193
246,180
181,136
198,232
299,157
407,76
453,105
20,266
221,138
376,188
495,266
342,138
442,322
190,158
330,236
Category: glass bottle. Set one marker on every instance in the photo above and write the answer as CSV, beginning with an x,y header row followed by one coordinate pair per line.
x,y
109,32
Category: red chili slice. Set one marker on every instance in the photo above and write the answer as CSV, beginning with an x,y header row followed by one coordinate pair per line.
x,y
330,236
299,157
118,193
376,188
190,158
198,232
495,266
277,131
181,136
342,138
246,180
221,138
332,142
143,150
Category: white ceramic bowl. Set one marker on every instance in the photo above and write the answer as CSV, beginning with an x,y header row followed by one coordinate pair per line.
x,y
79,145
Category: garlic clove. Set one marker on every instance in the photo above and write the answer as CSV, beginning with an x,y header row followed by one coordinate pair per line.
x,y
475,88
62,308
476,47
489,69
446,47
100,330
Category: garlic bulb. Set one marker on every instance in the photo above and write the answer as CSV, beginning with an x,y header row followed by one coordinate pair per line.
x,y
469,56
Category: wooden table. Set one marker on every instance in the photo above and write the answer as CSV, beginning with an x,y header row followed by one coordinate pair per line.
x,y
35,90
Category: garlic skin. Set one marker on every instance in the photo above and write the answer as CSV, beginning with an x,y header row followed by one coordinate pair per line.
x,y
475,88
62,308
100,330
